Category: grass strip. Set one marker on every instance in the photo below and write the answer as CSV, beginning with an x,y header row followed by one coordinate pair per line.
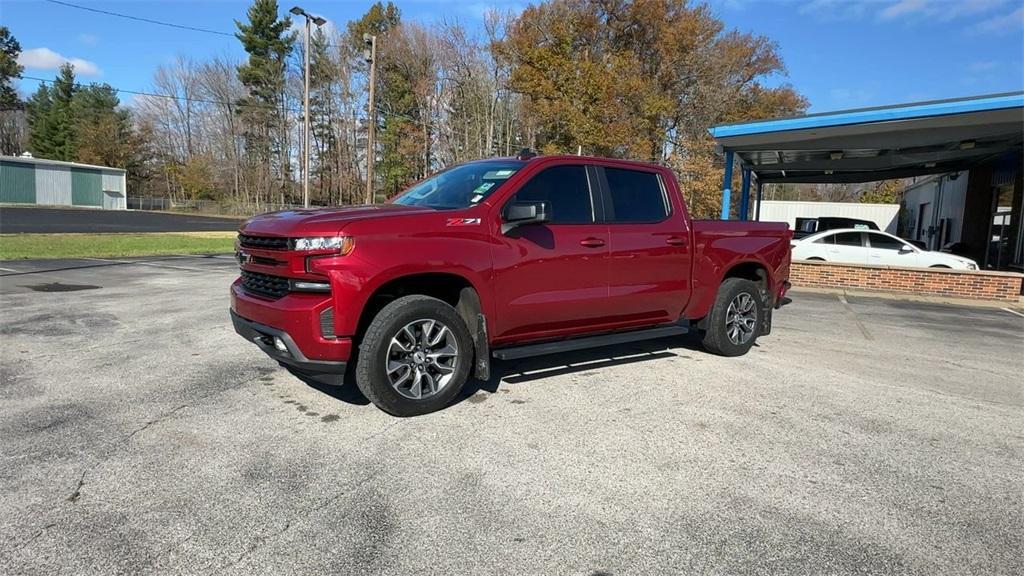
x,y
23,246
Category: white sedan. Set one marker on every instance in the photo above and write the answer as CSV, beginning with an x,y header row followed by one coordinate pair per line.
x,y
871,247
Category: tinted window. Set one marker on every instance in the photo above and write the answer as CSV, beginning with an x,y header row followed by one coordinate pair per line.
x,y
886,242
842,239
636,196
565,189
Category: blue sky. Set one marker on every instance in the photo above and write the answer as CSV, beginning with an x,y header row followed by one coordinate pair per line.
x,y
839,53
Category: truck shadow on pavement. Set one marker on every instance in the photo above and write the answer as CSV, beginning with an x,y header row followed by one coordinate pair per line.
x,y
529,369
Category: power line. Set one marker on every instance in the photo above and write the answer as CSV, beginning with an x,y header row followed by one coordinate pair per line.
x,y
167,96
157,22
140,19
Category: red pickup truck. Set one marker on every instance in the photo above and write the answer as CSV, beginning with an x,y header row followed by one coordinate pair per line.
x,y
500,258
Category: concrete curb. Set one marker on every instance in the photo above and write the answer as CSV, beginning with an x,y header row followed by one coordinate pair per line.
x,y
1019,305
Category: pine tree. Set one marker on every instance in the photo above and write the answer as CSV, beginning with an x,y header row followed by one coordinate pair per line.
x,y
322,71
51,118
267,41
9,69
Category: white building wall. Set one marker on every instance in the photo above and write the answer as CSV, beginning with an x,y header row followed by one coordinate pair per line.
x,y
53,185
115,195
928,202
884,215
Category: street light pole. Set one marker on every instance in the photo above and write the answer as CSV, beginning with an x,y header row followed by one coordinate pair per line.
x,y
371,127
305,104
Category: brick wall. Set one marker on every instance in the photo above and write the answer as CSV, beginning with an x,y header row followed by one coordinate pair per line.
x,y
1003,286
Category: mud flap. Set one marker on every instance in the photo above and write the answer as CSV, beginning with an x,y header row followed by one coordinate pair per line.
x,y
768,307
482,369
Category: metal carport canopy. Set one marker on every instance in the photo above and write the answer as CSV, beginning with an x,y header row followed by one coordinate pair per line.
x,y
878,143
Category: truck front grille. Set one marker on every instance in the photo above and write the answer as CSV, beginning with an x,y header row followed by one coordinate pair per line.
x,y
263,242
264,284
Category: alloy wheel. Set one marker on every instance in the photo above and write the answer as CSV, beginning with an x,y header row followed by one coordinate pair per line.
x,y
741,319
422,358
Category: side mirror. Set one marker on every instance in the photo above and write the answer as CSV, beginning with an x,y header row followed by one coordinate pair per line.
x,y
906,249
521,213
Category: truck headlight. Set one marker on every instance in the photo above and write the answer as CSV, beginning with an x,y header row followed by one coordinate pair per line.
x,y
342,244
972,266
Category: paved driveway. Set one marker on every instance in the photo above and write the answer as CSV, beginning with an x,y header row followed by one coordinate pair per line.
x,y
16,220
141,435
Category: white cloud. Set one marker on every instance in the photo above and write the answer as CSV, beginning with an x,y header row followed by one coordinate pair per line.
x,y
833,10
936,10
903,8
982,66
1014,21
298,27
88,39
46,59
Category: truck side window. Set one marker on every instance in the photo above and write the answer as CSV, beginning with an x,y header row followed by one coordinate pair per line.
x,y
566,190
637,196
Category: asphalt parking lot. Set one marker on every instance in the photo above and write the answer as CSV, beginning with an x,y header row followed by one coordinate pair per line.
x,y
141,435
26,220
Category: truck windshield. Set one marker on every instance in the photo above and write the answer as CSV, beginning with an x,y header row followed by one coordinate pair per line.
x,y
460,187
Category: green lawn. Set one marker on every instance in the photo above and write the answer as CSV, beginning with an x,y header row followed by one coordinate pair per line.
x,y
21,246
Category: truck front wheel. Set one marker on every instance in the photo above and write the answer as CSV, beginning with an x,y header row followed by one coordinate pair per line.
x,y
415,356
735,319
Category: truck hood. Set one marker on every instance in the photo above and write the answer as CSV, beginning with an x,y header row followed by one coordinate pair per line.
x,y
322,221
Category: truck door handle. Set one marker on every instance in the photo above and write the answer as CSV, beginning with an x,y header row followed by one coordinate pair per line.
x,y
592,242
676,241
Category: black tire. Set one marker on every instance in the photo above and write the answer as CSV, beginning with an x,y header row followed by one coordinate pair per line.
x,y
940,266
371,375
716,337
815,259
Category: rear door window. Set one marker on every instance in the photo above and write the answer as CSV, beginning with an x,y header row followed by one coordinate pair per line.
x,y
636,196
842,239
565,189
884,242
849,239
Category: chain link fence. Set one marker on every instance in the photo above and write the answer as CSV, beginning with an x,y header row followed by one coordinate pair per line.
x,y
209,207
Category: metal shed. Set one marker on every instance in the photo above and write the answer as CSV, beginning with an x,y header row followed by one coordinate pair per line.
x,y
26,180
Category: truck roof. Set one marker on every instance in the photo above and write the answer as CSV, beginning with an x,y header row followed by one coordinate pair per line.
x,y
599,159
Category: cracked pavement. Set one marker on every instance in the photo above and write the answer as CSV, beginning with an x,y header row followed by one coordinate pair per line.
x,y
139,434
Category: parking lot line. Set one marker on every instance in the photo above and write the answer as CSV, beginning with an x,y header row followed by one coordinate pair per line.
x,y
849,310
1014,312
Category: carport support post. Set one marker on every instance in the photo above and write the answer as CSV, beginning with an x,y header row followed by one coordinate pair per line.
x,y
745,194
727,184
760,191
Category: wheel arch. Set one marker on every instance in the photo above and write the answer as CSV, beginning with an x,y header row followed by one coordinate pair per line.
x,y
454,289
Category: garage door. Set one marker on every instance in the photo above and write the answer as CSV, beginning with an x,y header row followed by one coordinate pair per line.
x,y
17,183
86,187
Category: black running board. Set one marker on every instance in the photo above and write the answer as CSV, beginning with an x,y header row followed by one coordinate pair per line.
x,y
526,350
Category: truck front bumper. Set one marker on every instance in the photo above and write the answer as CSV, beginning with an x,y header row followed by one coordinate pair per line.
x,y
290,331
281,347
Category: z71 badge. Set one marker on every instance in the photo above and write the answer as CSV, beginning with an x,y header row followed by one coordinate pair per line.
x,y
463,222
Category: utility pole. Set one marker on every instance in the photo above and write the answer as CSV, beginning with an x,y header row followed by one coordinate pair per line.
x,y
305,104
371,114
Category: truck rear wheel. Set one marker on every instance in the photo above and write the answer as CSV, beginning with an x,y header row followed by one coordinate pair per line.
x,y
415,356
735,319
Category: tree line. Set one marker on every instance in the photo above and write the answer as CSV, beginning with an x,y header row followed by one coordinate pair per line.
x,y
638,79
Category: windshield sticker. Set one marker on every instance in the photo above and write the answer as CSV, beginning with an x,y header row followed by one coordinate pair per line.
x,y
504,172
483,187
476,198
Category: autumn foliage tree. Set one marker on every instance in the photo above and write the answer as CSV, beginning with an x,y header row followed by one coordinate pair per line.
x,y
642,79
